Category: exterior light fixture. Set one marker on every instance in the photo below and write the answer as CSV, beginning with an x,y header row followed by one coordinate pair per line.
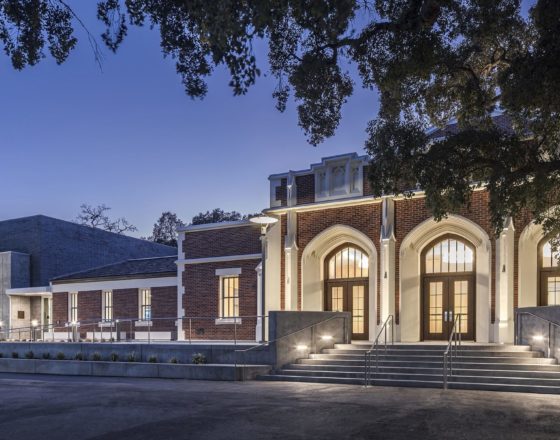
x,y
538,338
264,221
34,323
301,347
326,338
1,323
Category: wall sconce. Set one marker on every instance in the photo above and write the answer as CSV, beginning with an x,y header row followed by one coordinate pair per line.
x,y
301,347
503,268
538,338
326,338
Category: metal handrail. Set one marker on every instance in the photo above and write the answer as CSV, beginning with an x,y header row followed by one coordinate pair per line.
x,y
448,354
268,343
548,321
117,324
374,349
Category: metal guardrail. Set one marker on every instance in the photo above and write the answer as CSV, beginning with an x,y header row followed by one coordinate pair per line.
x,y
100,329
313,338
519,327
375,349
448,354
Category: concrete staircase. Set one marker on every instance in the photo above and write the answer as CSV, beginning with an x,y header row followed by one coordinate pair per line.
x,y
477,367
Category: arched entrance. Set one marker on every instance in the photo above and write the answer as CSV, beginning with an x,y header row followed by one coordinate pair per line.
x,y
448,287
549,274
346,286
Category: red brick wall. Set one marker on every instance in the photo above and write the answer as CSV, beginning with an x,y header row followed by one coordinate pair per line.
x,y
239,240
411,212
201,299
305,189
60,310
366,186
164,305
125,304
365,218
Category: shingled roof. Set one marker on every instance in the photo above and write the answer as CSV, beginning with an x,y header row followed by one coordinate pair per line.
x,y
136,268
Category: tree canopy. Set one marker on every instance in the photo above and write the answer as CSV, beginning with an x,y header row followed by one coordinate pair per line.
x,y
432,62
96,217
219,215
165,229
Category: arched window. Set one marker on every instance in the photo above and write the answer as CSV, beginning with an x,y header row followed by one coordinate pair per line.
x,y
348,262
449,255
550,275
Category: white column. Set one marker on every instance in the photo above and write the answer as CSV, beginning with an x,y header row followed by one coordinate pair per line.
x,y
180,287
387,259
503,327
258,327
291,249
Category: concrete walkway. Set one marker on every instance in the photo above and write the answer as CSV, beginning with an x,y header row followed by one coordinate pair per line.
x,y
52,407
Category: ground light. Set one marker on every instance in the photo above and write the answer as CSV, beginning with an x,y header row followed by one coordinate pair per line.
x,y
301,347
326,338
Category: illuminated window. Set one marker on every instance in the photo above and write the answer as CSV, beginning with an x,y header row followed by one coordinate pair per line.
x,y
449,255
229,292
73,307
348,262
145,304
107,305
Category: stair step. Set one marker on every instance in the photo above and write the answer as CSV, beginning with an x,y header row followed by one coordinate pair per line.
x,y
404,370
460,352
438,364
459,358
467,346
495,378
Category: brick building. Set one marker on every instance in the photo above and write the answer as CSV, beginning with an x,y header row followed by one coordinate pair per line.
x,y
336,247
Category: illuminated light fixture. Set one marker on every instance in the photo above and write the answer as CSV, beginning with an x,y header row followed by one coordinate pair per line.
x,y
1,323
326,338
34,323
301,347
538,338
264,221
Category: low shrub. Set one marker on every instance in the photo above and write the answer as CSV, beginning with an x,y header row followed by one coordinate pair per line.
x,y
79,356
60,356
102,339
46,355
96,356
29,355
198,358
173,360
15,355
131,357
152,359
114,357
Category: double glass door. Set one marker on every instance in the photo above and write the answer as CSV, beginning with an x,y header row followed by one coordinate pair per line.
x,y
350,296
445,297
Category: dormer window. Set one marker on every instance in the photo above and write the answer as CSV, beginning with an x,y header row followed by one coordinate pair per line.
x,y
338,178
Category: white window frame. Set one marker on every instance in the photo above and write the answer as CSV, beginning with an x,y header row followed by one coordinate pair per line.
x,y
142,307
72,306
104,307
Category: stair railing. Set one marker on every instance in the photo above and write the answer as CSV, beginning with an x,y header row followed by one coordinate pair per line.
x,y
452,346
519,326
375,349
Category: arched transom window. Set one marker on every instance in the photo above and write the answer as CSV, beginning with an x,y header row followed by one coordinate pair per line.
x,y
348,262
449,255
550,258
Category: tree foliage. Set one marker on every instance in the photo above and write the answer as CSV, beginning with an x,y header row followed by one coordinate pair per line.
x,y
219,215
165,229
96,217
432,62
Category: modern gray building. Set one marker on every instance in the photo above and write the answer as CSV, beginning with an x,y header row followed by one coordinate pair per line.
x,y
35,249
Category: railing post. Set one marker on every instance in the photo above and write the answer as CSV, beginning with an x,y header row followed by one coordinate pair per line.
x,y
190,330
549,348
445,371
149,331
235,332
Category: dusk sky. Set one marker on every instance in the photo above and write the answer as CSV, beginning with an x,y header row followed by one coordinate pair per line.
x,y
129,137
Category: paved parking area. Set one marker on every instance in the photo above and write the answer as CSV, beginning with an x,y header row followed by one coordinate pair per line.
x,y
56,407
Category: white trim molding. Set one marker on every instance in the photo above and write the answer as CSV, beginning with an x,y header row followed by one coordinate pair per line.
x,y
218,225
133,283
219,259
30,291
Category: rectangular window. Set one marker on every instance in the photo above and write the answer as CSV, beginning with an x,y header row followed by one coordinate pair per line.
x,y
107,312
73,307
145,304
229,297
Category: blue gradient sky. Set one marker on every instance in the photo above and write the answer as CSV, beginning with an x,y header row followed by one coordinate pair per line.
x,y
130,138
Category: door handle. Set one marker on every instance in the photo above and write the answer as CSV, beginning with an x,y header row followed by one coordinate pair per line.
x,y
450,316
445,316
